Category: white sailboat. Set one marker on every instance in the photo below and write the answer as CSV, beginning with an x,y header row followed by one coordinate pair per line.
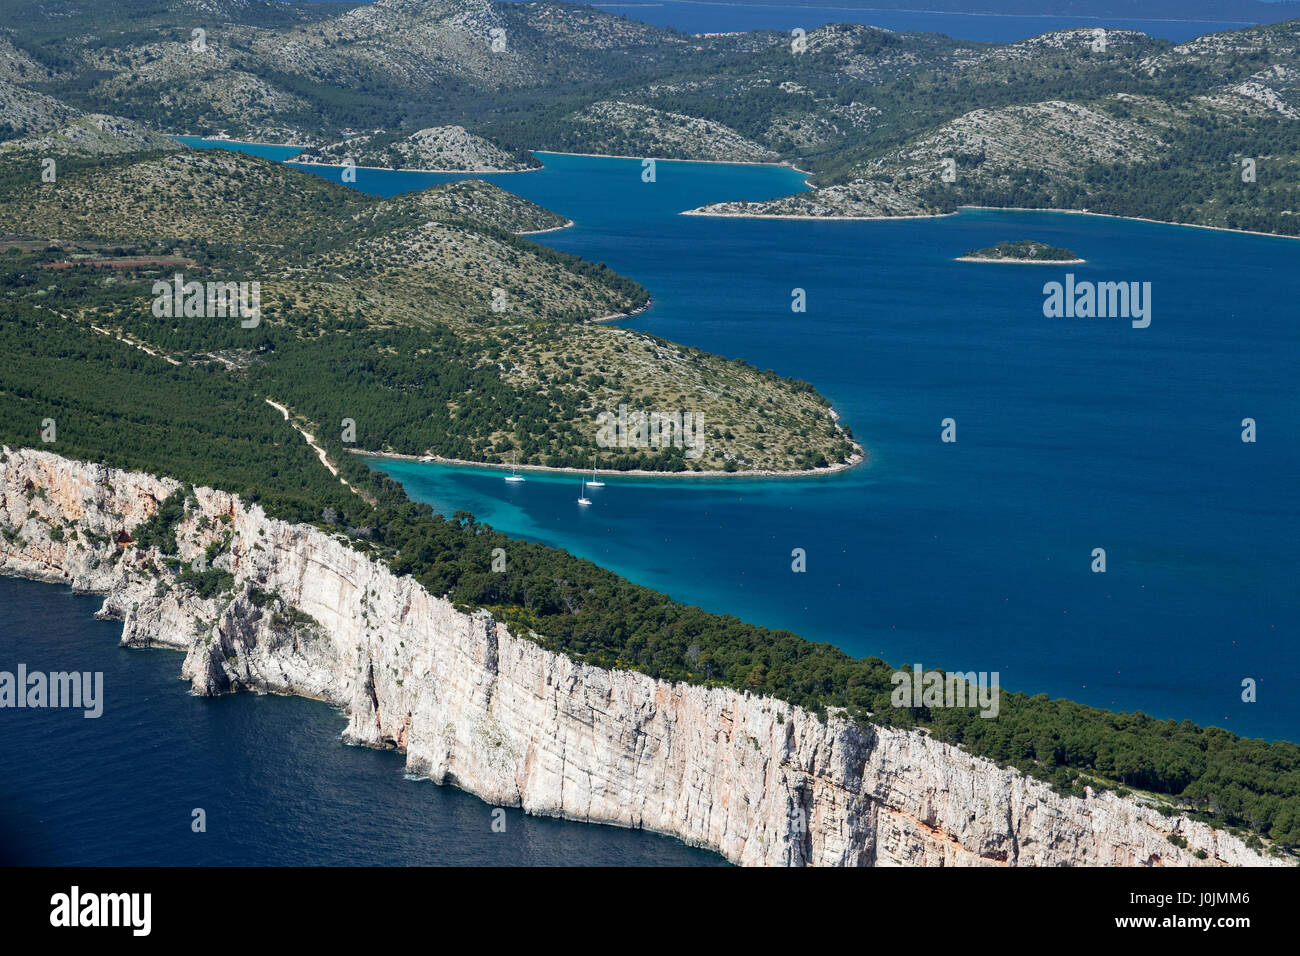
x,y
582,498
513,476
595,482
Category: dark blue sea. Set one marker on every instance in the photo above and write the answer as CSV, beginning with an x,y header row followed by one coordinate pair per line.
x,y
277,785
1073,434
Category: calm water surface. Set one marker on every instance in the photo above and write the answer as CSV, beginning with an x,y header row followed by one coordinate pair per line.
x,y
1073,434
278,785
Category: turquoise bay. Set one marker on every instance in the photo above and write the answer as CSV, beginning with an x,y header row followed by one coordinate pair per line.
x,y
1073,434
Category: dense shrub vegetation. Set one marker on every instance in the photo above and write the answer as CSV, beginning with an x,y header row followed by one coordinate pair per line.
x,y
114,404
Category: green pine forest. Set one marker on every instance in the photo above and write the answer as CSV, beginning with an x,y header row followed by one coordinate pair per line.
x,y
379,310
117,405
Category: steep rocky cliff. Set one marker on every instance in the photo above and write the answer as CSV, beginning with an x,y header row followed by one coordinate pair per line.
x,y
472,705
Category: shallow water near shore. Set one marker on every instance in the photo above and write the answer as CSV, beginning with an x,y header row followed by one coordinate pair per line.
x,y
1073,434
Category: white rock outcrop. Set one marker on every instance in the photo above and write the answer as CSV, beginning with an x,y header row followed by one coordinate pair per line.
x,y
470,704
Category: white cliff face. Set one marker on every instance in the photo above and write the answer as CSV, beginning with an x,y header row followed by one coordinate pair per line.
x,y
470,704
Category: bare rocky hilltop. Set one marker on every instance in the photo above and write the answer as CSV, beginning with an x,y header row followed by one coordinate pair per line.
x,y
95,134
886,124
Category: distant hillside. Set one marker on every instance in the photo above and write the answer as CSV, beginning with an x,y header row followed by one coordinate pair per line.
x,y
422,317
886,123
628,129
435,148
1207,132
25,113
93,135
478,201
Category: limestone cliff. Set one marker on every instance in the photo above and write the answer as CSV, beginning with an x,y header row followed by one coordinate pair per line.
x,y
473,705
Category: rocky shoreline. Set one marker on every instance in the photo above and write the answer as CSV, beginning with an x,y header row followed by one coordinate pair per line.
x,y
471,704
833,468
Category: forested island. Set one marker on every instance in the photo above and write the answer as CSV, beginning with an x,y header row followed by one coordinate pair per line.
x,y
1022,250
